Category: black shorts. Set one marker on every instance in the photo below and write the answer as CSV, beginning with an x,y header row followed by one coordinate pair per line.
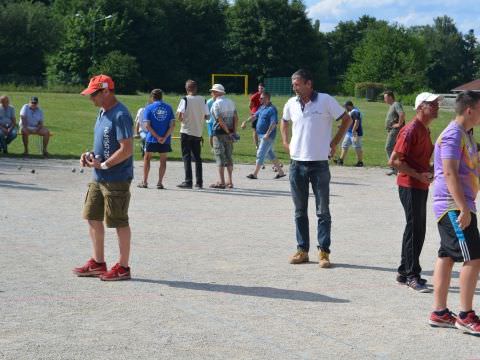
x,y
455,243
157,147
254,124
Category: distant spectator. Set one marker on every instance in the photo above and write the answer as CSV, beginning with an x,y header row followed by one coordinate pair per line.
x,y
354,135
267,120
211,120
140,129
8,122
160,122
226,120
254,105
31,123
394,121
192,112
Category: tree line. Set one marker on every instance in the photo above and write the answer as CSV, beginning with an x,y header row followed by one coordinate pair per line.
x,y
151,43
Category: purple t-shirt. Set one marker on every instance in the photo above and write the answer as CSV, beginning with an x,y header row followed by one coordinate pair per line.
x,y
456,144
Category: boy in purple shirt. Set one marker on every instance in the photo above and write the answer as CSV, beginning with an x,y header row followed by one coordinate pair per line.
x,y
456,183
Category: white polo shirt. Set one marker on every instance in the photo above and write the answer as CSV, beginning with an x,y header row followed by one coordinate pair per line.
x,y
312,126
33,117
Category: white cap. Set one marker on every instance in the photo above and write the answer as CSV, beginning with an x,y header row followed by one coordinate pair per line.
x,y
218,88
426,97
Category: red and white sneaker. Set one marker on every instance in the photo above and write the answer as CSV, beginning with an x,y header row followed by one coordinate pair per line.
x,y
447,320
117,272
91,268
471,324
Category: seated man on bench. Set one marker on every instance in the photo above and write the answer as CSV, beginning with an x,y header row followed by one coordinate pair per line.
x,y
31,123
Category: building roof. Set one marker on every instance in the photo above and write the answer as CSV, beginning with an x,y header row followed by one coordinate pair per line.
x,y
472,85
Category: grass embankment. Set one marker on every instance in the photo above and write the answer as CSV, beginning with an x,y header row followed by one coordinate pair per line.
x,y
71,118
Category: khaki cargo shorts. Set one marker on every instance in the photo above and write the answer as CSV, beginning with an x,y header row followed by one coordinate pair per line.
x,y
109,201
223,149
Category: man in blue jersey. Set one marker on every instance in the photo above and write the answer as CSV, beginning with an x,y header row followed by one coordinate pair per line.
x,y
159,121
108,194
266,119
354,135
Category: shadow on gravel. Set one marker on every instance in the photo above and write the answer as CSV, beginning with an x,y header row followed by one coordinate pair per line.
x,y
250,192
347,183
259,291
455,274
22,186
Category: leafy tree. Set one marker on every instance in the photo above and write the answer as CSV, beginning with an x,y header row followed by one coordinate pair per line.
x,y
268,37
87,38
391,55
28,34
122,68
343,41
472,56
445,53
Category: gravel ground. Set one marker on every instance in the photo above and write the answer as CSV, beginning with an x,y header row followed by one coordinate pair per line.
x,y
211,277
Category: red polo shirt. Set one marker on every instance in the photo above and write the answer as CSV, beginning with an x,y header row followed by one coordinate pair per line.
x,y
415,145
255,102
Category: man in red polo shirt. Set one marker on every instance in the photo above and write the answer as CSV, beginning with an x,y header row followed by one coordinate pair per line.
x,y
254,106
411,157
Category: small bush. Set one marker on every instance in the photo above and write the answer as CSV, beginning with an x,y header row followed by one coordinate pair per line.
x,y
369,90
122,68
409,99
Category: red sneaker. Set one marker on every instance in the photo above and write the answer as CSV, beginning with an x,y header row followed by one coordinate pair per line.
x,y
471,324
117,272
91,268
445,321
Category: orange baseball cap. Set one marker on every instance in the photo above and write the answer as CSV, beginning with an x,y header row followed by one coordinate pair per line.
x,y
99,82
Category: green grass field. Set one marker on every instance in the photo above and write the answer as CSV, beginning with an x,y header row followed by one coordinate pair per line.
x,y
71,118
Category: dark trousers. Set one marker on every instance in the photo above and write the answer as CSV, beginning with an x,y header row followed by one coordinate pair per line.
x,y
414,202
192,146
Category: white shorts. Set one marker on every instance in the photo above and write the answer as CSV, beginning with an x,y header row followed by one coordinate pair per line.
x,y
353,141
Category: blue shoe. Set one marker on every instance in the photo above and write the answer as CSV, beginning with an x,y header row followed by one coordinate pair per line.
x,y
414,284
402,280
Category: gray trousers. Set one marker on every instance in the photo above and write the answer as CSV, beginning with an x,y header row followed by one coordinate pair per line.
x,y
391,140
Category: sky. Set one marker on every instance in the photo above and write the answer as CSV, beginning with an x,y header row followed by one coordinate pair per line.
x,y
465,13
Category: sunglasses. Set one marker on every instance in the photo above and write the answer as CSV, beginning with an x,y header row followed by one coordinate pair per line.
x,y
92,95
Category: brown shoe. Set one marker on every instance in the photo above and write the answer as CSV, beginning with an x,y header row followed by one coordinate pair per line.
x,y
324,259
299,257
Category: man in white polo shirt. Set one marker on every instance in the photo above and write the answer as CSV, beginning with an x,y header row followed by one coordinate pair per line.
x,y
312,115
192,112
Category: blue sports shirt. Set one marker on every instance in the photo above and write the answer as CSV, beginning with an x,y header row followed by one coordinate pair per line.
x,y
112,126
160,116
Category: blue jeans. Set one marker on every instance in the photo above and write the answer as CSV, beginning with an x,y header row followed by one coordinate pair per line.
x,y
265,149
302,173
7,139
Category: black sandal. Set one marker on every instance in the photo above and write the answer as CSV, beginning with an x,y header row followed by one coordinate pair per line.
x,y
142,185
251,176
160,187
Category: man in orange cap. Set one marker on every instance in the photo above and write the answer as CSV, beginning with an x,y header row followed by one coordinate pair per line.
x,y
108,194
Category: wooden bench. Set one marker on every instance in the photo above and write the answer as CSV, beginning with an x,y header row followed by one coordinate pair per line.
x,y
38,141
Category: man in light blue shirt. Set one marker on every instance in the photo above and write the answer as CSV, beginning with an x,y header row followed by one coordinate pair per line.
x,y
31,123
8,128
